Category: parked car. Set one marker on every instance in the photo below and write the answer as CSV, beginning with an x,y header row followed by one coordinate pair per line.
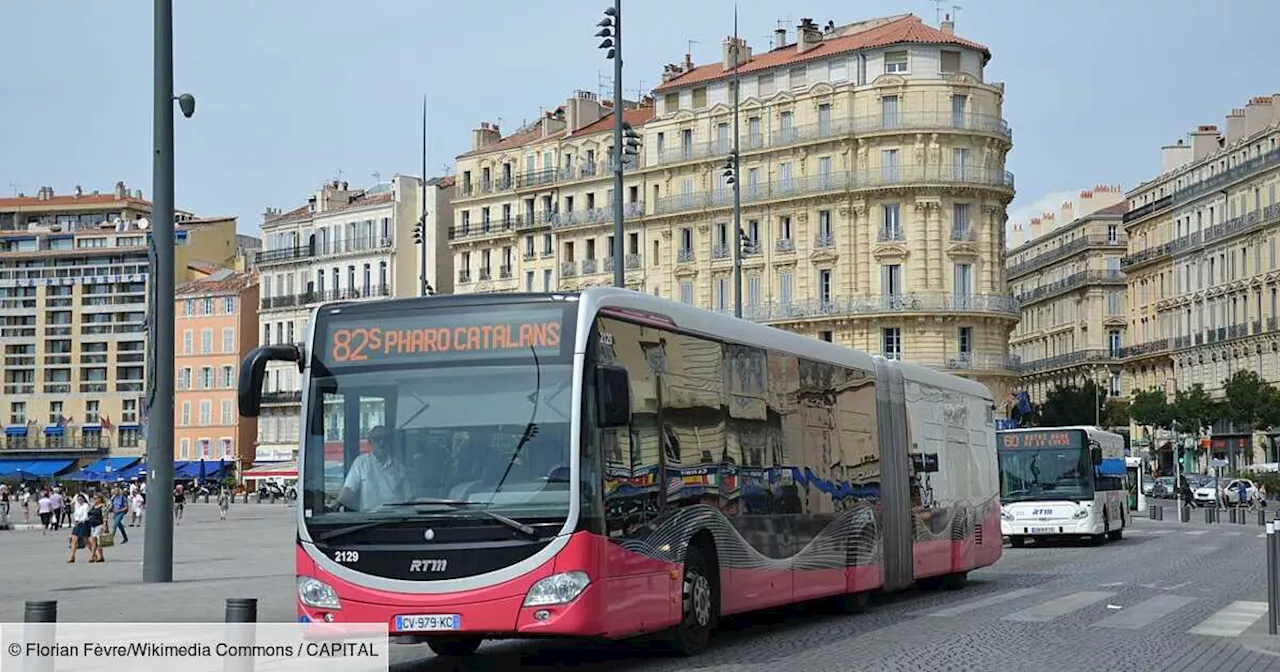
x,y
1148,486
1165,488
1226,490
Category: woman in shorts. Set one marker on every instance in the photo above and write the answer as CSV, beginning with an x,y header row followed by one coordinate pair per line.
x,y
80,527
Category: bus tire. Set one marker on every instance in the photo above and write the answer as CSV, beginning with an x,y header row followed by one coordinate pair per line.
x,y
1017,541
454,647
851,604
954,581
1115,535
699,599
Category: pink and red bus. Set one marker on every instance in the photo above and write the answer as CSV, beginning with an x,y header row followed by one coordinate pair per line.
x,y
608,464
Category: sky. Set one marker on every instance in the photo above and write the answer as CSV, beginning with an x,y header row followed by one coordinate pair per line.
x,y
291,93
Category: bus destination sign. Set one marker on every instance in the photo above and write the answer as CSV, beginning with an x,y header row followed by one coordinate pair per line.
x,y
1059,438
434,336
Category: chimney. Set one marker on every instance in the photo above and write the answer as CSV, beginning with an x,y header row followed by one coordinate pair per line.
x,y
743,52
582,109
121,193
1105,196
1257,115
1235,126
484,136
948,27
1173,157
137,193
779,37
1035,229
1068,212
79,191
1050,221
1019,236
1204,141
1086,202
808,35
688,62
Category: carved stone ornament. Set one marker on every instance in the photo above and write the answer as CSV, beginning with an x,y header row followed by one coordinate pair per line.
x,y
666,234
825,255
890,251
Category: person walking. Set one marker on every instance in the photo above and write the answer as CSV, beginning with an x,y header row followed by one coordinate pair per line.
x,y
119,507
58,503
224,503
136,508
44,509
80,528
97,520
179,502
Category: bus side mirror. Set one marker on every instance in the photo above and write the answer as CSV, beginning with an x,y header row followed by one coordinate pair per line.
x,y
613,397
1095,453
253,369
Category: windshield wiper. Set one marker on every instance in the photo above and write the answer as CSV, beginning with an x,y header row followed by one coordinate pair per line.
x,y
352,529
530,429
462,504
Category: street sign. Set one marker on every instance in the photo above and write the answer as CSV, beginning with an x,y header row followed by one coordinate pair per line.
x,y
1217,463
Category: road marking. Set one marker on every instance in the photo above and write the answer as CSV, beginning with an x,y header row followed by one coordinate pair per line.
x,y
1145,613
1158,533
1232,534
1047,611
1195,532
1232,620
1111,585
971,605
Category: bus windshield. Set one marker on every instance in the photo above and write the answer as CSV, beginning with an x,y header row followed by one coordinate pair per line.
x,y
440,433
1038,474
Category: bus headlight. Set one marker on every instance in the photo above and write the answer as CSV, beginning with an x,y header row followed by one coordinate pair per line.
x,y
316,593
557,589
1006,515
1080,514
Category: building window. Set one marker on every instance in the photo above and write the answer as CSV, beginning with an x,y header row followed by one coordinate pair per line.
x,y
186,449
228,380
91,408
950,62
895,62
786,283
891,280
964,342
188,341
826,335
824,286
528,281
753,291
889,112
722,294
891,342
1113,234
686,291
206,341
228,416
229,305
229,340
186,414
1114,384
891,226
1113,342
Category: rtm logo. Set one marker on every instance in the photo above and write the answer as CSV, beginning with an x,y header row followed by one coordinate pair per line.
x,y
1042,512
434,565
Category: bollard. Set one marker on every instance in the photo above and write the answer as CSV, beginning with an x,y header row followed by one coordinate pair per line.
x,y
1184,513
1153,512
1243,517
1231,515
1262,517
241,625
40,627
1272,589
1208,515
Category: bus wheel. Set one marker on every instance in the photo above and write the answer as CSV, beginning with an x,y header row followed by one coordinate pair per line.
x,y
954,581
454,647
852,603
1115,535
1017,542
699,601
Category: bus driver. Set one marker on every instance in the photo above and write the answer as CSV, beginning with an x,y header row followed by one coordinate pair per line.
x,y
376,478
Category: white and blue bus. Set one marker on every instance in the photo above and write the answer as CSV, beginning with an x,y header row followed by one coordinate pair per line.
x,y
1061,482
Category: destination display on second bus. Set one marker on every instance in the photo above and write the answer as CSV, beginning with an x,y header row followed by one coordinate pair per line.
x,y
438,336
1059,438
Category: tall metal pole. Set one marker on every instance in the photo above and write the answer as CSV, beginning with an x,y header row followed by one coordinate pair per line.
x,y
157,551
737,179
422,286
619,275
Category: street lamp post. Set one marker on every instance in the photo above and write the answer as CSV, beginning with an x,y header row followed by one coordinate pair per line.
x,y
157,552
736,159
420,230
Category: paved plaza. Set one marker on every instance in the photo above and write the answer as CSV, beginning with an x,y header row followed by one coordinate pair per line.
x,y
1169,596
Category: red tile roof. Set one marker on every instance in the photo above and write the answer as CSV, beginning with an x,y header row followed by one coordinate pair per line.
x,y
528,137
58,201
636,117
222,282
304,211
908,29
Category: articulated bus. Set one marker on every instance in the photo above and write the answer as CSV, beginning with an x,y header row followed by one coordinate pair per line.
x,y
608,464
1062,482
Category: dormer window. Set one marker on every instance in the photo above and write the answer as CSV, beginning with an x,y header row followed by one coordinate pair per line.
x,y
895,62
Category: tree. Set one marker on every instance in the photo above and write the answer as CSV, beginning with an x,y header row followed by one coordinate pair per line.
x,y
1250,401
1193,409
1150,408
1072,405
1116,413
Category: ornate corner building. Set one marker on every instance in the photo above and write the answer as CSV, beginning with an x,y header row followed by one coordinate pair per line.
x,y
1065,273
1202,263
873,194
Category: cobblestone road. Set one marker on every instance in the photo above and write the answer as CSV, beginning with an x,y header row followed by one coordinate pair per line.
x,y
1169,596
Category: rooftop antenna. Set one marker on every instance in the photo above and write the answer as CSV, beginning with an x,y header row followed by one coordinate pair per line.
x,y
688,46
15,188
340,174
639,90
377,177
955,10
937,11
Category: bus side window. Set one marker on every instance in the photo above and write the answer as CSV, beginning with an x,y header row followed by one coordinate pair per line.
x,y
629,455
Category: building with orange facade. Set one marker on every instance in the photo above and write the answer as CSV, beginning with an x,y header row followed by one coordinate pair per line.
x,y
216,326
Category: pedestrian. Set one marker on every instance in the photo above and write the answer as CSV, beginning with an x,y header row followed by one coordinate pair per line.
x,y
179,502
4,505
224,503
58,502
98,526
119,507
80,527
44,508
24,500
136,508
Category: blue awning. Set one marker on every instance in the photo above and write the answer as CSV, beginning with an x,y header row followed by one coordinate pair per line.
x,y
127,425
53,430
34,468
138,470
15,430
106,469
191,469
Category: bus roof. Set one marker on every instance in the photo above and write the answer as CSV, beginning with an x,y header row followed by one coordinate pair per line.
x,y
1095,431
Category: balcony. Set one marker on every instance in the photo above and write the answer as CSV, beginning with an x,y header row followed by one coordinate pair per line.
x,y
1153,347
589,266
684,256
632,261
278,398
1077,358
595,216
882,178
824,130
497,227
14,446
824,241
326,248
504,272
321,296
537,179
879,305
1074,281
1148,209
1061,252
568,269
464,275
983,361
